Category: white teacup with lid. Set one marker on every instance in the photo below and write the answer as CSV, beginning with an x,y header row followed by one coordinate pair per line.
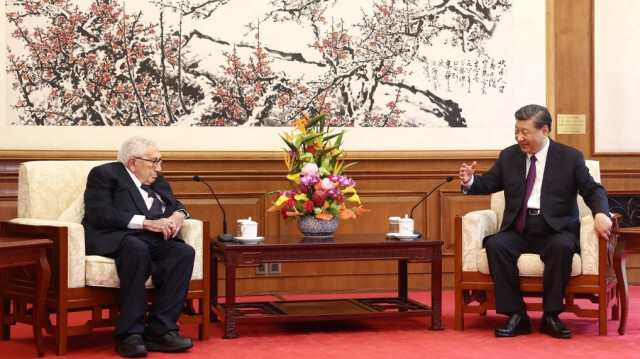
x,y
248,228
405,225
394,225
239,227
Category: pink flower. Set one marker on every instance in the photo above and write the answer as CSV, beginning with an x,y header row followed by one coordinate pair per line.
x,y
309,169
308,181
291,193
334,193
326,183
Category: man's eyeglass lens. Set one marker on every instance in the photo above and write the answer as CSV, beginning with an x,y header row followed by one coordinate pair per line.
x,y
154,163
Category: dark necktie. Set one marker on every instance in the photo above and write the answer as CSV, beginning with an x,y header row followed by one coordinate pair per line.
x,y
531,178
155,211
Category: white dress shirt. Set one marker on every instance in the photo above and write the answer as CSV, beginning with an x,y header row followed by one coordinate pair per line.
x,y
137,221
541,160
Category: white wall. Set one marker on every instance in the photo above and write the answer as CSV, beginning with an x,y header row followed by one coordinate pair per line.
x,y
617,75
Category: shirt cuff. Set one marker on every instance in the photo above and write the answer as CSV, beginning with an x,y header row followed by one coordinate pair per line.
x,y
137,222
184,211
467,186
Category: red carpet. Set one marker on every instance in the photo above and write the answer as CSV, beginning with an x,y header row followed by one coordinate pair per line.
x,y
399,339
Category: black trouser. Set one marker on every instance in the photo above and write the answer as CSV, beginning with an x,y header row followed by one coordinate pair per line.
x,y
556,251
170,263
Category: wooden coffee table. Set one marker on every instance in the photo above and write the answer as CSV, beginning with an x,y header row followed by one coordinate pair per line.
x,y
355,247
15,252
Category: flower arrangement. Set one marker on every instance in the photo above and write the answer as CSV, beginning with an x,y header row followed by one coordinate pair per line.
x,y
315,166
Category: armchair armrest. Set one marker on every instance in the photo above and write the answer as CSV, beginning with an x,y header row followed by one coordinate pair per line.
x,y
475,226
588,245
68,261
192,233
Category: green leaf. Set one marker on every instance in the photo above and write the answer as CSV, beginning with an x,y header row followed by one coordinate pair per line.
x,y
307,157
335,156
348,165
311,137
331,210
321,153
291,145
319,118
339,139
334,135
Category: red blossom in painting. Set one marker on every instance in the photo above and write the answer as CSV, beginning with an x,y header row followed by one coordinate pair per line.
x,y
248,91
98,67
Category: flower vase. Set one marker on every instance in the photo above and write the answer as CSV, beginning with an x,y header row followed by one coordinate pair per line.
x,y
311,226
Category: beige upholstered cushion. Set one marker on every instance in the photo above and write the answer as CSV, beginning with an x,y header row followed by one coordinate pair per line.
x,y
594,170
75,212
101,272
479,224
47,188
529,265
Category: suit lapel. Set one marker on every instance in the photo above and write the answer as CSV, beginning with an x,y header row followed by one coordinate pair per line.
x,y
554,160
126,181
521,170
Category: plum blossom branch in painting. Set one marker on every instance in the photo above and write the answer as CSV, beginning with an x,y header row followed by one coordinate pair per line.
x,y
374,54
99,67
250,92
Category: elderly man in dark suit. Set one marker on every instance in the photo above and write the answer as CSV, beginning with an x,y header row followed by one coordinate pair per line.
x,y
131,215
541,179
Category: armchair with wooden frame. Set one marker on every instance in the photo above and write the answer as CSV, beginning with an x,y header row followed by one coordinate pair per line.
x,y
50,205
592,276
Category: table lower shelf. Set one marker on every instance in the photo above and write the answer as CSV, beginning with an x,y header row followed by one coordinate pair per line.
x,y
327,309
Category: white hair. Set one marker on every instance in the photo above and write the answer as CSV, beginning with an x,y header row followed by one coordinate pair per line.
x,y
136,146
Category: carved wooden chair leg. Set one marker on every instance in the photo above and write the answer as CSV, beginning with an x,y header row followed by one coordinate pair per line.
x,y
189,309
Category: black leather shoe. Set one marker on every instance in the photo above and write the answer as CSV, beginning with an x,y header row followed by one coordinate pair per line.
x,y
131,346
169,342
515,325
552,325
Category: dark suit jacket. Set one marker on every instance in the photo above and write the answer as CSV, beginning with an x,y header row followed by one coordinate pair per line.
x,y
111,199
565,176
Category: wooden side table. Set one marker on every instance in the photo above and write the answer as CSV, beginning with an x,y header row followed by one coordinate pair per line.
x,y
16,252
628,240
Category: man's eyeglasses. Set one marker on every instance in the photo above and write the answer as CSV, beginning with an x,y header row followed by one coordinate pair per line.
x,y
154,163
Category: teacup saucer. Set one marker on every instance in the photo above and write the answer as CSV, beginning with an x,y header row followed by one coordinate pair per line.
x,y
249,240
403,236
